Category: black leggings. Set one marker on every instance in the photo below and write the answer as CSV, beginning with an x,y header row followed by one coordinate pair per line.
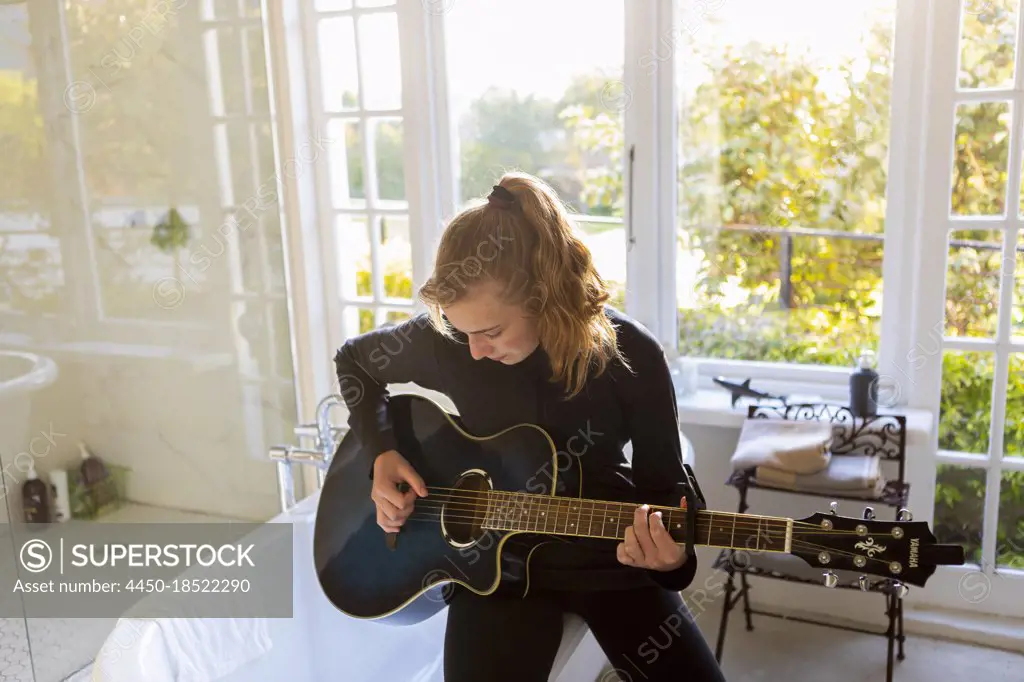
x,y
647,634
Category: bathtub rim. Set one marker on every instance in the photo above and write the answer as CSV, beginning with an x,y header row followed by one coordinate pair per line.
x,y
41,374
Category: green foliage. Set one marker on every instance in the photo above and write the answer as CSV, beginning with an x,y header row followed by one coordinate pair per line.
x,y
22,143
388,155
170,233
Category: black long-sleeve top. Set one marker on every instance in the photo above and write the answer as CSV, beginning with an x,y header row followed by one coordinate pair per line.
x,y
614,408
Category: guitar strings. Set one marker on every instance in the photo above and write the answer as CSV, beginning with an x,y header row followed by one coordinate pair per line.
x,y
703,525
475,501
470,511
510,496
796,543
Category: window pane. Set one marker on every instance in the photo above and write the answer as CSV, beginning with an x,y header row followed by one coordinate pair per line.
x,y
134,101
387,144
605,237
137,266
258,71
243,173
554,110
966,404
264,326
366,320
228,78
338,71
353,256
960,508
270,224
346,163
396,256
972,283
987,43
784,132
1010,544
396,316
382,74
1013,430
1017,312
333,5
223,9
980,158
31,271
542,109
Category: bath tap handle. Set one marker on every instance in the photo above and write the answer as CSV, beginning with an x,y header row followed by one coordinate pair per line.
x,y
324,433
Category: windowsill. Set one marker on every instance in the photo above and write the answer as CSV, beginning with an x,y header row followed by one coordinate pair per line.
x,y
711,407
113,349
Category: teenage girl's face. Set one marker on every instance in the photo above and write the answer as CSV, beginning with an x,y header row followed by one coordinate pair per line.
x,y
496,330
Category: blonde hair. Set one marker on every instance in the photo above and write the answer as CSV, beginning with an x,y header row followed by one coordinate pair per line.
x,y
530,248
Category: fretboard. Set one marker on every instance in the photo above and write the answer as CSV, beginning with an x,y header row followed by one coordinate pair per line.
x,y
526,512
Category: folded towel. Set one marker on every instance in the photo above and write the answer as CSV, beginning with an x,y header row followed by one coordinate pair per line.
x,y
846,474
872,493
795,445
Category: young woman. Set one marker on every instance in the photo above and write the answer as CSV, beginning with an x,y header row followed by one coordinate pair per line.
x,y
518,330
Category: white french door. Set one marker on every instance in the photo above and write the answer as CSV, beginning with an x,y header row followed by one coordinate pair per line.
x,y
968,359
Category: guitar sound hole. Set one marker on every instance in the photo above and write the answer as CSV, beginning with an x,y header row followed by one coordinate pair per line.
x,y
462,516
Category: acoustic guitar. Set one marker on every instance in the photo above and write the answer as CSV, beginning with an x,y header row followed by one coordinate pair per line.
x,y
492,500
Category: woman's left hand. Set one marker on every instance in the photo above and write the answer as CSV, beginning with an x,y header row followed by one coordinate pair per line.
x,y
649,545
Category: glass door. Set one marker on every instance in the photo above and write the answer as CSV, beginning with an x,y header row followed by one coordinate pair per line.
x,y
15,661
972,351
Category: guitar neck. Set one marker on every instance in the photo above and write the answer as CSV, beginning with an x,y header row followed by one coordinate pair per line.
x,y
526,512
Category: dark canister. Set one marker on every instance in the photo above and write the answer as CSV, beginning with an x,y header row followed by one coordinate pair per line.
x,y
864,387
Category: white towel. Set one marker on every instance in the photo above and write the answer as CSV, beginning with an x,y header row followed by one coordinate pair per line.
x,y
796,445
846,474
207,649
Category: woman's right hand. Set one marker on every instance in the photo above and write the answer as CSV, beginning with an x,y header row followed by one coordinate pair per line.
x,y
394,506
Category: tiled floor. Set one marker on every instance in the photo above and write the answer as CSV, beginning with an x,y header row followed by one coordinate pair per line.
x,y
797,652
15,665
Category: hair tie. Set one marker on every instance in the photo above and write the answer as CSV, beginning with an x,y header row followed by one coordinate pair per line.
x,y
501,197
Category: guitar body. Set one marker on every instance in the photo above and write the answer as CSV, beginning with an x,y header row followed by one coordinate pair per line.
x,y
407,577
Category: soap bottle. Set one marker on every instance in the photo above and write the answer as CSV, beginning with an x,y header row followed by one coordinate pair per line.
x,y
94,476
93,470
59,488
34,503
864,387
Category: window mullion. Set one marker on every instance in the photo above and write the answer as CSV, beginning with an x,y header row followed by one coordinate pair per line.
x,y
428,158
644,171
932,222
668,206
903,195
1001,373
294,85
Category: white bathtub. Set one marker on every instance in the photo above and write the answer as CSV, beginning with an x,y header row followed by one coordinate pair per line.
x,y
316,644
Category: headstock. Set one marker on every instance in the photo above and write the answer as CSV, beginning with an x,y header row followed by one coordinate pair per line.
x,y
903,551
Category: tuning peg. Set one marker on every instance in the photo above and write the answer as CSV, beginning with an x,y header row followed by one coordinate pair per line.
x,y
869,513
863,583
904,515
900,589
834,507
831,579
